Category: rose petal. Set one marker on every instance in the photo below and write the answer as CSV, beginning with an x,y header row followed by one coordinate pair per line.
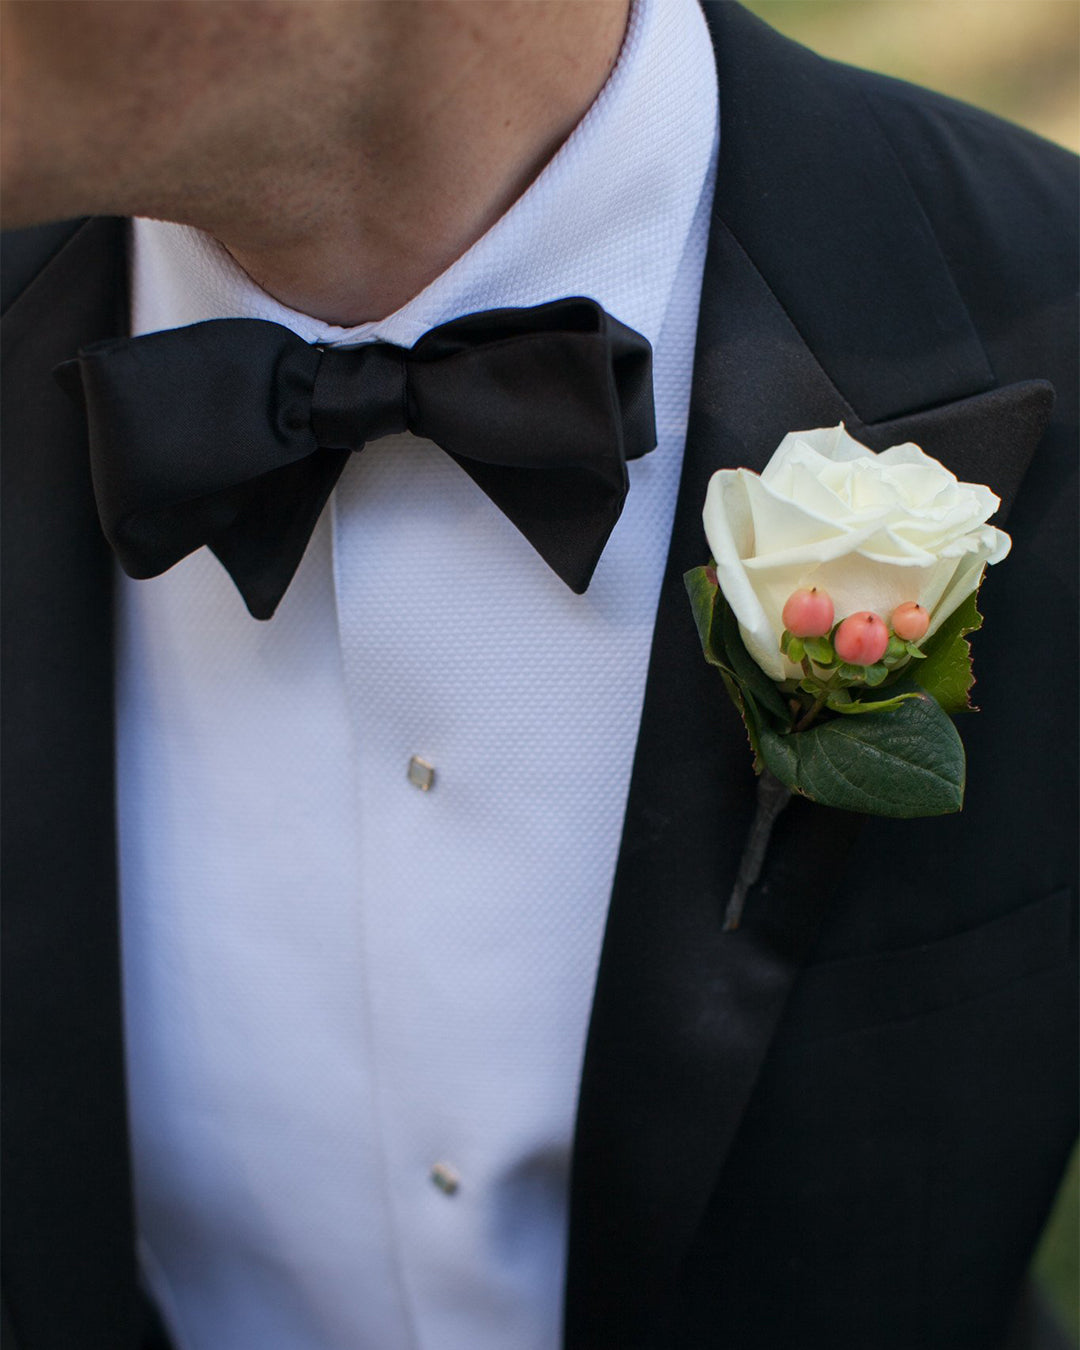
x,y
728,525
780,523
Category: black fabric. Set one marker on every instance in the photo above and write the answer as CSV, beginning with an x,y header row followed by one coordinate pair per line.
x,y
651,1127
732,1187
68,1247
232,433
1036,1326
25,253
843,1125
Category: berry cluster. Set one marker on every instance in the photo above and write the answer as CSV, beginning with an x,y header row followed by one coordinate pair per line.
x,y
861,650
862,639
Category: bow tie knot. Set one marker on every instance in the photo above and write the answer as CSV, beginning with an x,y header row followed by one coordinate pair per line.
x,y
359,395
232,433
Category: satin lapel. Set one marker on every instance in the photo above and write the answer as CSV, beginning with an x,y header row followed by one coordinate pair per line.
x,y
989,438
683,1014
813,191
68,1251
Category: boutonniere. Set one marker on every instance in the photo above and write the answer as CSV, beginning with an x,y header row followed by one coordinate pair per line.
x,y
837,606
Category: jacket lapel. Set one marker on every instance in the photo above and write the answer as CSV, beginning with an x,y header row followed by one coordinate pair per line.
x,y
65,1132
683,1013
988,438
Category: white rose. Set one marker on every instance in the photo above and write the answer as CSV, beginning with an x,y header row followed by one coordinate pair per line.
x,y
873,530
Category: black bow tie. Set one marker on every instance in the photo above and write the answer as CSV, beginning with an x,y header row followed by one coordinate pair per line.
x,y
233,433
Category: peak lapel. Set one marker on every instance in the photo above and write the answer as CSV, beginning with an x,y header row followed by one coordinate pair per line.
x,y
813,190
988,438
69,1250
684,1014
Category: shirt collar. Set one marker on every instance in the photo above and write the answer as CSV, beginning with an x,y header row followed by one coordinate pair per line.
x,y
608,217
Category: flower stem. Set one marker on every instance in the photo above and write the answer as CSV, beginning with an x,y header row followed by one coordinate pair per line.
x,y
772,797
806,721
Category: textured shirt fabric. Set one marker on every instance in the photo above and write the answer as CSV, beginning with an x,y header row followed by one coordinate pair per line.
x,y
335,981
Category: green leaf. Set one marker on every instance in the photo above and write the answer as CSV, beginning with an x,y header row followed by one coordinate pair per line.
x,y
702,588
793,647
745,681
820,651
946,674
866,705
747,670
748,713
873,675
906,762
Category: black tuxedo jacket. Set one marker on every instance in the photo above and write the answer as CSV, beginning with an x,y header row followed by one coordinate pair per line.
x,y
841,1127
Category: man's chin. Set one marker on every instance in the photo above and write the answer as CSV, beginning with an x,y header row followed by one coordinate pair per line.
x,y
22,205
20,220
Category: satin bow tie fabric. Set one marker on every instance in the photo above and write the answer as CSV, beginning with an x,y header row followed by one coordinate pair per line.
x,y
232,433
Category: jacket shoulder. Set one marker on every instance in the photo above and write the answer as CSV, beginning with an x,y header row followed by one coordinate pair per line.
x,y
794,124
914,111
992,190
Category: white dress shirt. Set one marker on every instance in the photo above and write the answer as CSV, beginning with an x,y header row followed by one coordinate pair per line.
x,y
356,1009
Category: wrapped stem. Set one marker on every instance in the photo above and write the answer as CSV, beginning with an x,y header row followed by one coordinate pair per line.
x,y
772,797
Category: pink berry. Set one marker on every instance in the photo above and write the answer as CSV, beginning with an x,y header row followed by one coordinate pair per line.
x,y
808,613
910,621
861,639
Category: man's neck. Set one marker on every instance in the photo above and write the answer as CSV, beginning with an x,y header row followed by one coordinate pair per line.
x,y
439,150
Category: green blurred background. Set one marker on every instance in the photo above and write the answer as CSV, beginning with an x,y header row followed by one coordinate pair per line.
x,y
1020,59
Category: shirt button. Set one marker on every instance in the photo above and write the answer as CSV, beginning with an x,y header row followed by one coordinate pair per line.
x,y
421,773
445,1178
